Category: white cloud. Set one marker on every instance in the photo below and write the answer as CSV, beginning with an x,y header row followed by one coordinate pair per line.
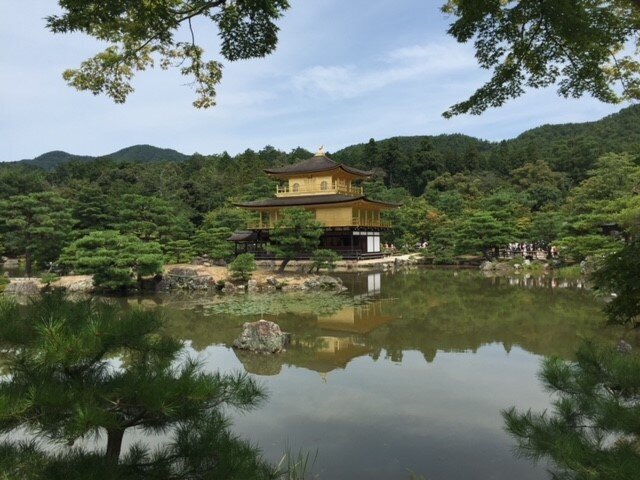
x,y
427,62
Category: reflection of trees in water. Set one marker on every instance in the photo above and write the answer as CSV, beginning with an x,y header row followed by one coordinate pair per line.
x,y
460,311
424,310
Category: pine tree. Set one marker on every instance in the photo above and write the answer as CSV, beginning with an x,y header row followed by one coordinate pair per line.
x,y
74,370
594,430
243,267
295,233
213,242
324,258
116,261
149,219
619,274
37,226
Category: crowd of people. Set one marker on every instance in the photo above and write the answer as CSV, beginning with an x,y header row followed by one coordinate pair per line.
x,y
531,251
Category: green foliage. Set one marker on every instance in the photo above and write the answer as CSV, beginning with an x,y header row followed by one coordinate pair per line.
x,y
546,226
482,232
629,216
615,176
577,248
323,258
243,266
149,219
442,242
91,208
531,44
19,179
49,278
74,370
37,226
214,242
141,34
619,274
231,218
4,281
178,251
570,273
116,261
296,232
517,182
592,432
542,186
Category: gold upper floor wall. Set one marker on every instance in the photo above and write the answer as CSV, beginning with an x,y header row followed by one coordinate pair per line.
x,y
335,216
318,185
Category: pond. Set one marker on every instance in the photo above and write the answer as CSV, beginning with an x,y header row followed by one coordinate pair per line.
x,y
407,373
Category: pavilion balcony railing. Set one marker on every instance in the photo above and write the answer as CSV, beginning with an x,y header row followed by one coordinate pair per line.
x,y
258,225
356,222
361,222
289,190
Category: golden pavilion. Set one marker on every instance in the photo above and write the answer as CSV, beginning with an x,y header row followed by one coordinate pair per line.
x,y
331,191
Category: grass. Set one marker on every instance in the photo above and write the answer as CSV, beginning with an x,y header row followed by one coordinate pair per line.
x,y
295,467
573,272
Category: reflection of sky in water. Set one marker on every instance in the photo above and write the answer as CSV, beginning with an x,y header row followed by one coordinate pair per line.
x,y
379,419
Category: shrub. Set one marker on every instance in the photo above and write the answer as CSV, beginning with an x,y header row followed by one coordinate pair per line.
x,y
48,278
323,258
243,266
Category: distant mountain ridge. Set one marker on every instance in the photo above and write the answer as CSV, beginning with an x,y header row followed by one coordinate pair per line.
x,y
135,153
614,133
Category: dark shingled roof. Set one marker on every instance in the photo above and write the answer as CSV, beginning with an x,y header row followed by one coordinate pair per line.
x,y
242,235
310,200
317,163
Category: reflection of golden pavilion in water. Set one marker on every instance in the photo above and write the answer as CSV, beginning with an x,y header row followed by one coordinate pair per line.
x,y
359,319
329,352
342,342
336,351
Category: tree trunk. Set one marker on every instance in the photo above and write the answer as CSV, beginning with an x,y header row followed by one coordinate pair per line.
x,y
114,444
283,265
28,263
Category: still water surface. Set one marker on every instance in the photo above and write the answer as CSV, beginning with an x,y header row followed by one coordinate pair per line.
x,y
408,372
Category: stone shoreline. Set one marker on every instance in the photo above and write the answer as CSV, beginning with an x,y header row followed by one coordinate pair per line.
x,y
190,277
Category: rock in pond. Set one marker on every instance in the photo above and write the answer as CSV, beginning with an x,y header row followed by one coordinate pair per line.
x,y
252,286
486,266
624,347
10,263
229,288
324,282
81,286
262,336
185,278
23,287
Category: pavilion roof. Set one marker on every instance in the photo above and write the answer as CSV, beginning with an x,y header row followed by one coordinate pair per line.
x,y
305,200
318,163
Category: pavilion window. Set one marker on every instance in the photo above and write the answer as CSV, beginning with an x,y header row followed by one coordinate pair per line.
x,y
296,187
324,185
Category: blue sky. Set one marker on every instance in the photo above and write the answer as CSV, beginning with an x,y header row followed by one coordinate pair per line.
x,y
344,71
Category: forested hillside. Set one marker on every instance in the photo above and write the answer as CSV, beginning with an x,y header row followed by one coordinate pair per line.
x,y
568,148
136,153
554,184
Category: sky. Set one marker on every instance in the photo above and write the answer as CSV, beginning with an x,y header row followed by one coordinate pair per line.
x,y
343,72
